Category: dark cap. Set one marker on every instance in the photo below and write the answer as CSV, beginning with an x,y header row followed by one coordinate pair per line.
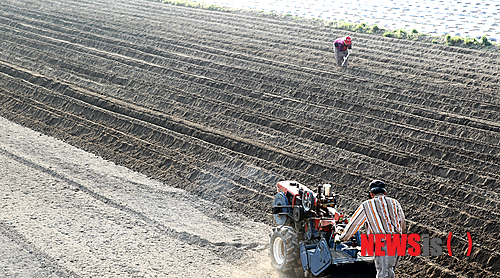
x,y
377,187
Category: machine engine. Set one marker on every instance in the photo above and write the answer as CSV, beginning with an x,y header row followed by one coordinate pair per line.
x,y
305,237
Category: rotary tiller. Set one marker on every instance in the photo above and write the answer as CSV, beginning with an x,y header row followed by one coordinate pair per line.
x,y
304,240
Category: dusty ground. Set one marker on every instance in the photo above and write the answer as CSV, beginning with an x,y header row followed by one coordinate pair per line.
x,y
221,106
68,213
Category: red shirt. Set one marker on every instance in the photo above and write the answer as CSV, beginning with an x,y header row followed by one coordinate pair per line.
x,y
341,45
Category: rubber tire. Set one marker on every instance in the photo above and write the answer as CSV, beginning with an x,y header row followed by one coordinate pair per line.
x,y
283,219
284,240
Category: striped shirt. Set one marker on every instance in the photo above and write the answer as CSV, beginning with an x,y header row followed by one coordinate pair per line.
x,y
383,215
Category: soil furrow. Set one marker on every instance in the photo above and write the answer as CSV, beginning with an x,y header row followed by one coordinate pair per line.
x,y
122,81
192,179
356,147
224,105
474,94
242,146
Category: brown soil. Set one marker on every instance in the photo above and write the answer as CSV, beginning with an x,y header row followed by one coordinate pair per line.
x,y
224,105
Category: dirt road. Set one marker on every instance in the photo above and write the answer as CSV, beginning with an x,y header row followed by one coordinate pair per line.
x,y
224,105
68,213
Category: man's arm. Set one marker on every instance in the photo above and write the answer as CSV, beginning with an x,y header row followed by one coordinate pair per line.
x,y
403,220
357,220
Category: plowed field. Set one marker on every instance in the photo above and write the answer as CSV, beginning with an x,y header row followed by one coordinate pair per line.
x,y
224,105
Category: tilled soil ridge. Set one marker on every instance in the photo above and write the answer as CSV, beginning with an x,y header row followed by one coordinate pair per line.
x,y
224,105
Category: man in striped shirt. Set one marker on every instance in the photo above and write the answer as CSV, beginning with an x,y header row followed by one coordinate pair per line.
x,y
381,215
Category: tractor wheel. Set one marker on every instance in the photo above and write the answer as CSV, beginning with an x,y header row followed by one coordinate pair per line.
x,y
284,249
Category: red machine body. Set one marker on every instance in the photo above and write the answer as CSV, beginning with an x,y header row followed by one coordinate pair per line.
x,y
308,223
325,215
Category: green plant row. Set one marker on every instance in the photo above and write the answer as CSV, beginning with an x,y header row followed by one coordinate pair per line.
x,y
412,35
467,42
199,5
